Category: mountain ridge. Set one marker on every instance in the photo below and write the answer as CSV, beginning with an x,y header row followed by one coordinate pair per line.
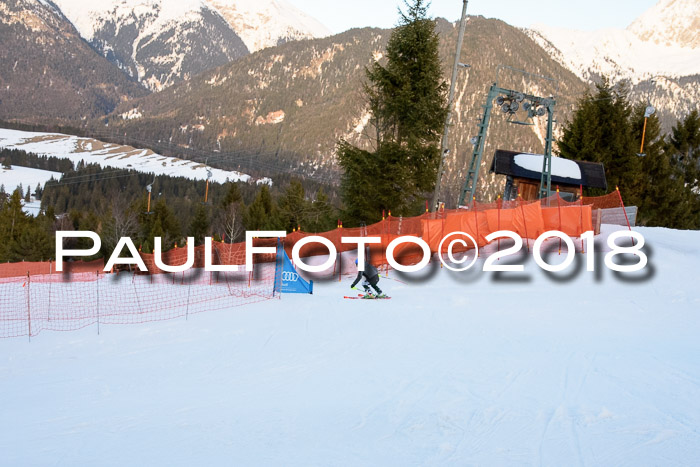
x,y
160,43
49,72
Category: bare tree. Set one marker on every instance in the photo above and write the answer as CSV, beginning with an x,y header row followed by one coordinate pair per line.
x,y
232,221
121,223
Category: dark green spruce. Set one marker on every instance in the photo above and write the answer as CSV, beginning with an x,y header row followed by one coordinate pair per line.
x,y
406,98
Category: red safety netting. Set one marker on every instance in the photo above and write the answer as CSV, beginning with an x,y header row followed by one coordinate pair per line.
x,y
33,297
67,302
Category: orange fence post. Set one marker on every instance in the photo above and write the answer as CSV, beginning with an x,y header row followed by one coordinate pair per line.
x,y
29,307
559,211
498,207
476,222
581,224
97,293
622,203
522,211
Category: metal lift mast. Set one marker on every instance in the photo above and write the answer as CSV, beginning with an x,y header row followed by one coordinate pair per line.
x,y
535,106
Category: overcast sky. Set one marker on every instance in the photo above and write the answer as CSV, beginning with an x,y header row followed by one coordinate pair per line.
x,y
587,15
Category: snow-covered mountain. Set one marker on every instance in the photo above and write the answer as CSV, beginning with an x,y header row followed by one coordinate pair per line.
x,y
161,42
266,23
665,40
670,23
659,54
158,42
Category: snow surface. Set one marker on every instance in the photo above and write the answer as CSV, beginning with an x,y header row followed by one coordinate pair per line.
x,y
456,369
88,15
618,53
560,167
262,23
29,178
33,208
93,151
664,41
680,20
259,23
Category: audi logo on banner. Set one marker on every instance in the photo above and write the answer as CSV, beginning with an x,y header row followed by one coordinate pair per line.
x,y
289,276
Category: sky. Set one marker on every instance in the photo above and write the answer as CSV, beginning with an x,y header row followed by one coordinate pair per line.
x,y
586,15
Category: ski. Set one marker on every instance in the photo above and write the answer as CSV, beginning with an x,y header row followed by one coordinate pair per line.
x,y
367,297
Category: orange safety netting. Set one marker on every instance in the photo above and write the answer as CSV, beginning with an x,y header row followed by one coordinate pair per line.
x,y
33,297
69,302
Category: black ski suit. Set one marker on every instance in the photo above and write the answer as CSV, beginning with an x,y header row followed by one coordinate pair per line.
x,y
371,278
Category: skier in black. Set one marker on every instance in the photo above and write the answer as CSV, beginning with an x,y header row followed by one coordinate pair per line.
x,y
371,276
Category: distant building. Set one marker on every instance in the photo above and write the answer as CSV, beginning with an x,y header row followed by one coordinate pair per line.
x,y
524,171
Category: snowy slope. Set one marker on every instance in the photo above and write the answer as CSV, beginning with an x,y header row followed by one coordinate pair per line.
x,y
162,42
266,23
681,20
457,369
157,42
664,40
29,178
112,155
617,53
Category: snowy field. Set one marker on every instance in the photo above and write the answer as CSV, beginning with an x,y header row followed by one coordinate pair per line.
x,y
29,178
573,368
117,156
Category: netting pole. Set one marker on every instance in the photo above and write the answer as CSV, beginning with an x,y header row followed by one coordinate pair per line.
x,y
581,225
187,310
97,290
622,203
29,308
136,294
476,221
522,211
498,206
48,311
559,210
340,266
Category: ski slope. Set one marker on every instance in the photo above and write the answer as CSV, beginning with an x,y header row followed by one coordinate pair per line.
x,y
92,151
28,177
456,369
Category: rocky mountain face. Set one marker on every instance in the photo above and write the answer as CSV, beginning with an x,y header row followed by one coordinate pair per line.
x,y
48,72
267,23
156,42
658,54
291,104
162,42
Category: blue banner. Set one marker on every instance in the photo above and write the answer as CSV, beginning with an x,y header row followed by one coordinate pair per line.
x,y
287,279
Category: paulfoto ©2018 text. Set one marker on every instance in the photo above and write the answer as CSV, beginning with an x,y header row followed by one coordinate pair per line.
x,y
462,239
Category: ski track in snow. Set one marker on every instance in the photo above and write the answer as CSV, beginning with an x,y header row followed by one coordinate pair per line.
x,y
448,372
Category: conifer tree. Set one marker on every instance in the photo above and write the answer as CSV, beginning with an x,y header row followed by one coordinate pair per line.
x,y
293,206
200,225
262,214
662,195
685,146
407,104
600,131
161,222
685,142
233,194
322,216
